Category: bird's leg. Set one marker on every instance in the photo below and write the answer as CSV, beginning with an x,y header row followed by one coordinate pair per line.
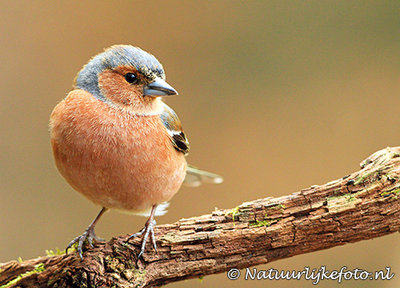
x,y
148,229
88,235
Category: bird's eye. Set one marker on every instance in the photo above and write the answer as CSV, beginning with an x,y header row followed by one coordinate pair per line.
x,y
131,78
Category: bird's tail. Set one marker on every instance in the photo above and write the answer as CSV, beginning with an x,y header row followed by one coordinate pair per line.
x,y
194,177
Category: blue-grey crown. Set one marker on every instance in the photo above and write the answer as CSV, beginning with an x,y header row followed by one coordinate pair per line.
x,y
118,55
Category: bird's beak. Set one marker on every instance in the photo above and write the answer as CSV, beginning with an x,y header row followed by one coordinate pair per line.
x,y
159,88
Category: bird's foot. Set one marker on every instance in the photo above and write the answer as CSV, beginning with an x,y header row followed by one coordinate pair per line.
x,y
88,235
145,232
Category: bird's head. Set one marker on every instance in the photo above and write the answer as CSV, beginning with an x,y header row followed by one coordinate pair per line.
x,y
126,77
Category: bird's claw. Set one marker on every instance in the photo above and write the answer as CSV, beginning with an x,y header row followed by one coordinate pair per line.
x,y
88,235
145,232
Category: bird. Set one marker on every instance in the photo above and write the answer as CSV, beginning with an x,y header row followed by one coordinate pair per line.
x,y
116,142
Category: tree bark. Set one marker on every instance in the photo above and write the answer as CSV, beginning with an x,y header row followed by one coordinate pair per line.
x,y
359,206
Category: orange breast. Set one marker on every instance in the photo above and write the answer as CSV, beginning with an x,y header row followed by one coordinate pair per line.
x,y
114,158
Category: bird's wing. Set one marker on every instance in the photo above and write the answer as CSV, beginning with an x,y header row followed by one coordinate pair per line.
x,y
194,177
174,128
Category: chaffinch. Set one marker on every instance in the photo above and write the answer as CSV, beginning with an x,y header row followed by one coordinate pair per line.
x,y
115,141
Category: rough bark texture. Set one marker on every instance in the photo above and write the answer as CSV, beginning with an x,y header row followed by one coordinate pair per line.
x,y
359,206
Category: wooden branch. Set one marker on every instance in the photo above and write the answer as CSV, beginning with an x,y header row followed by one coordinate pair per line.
x,y
359,206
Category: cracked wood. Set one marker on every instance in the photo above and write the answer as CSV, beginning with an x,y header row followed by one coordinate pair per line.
x,y
359,206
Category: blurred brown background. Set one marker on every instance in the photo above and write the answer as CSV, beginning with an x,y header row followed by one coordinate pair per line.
x,y
274,95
